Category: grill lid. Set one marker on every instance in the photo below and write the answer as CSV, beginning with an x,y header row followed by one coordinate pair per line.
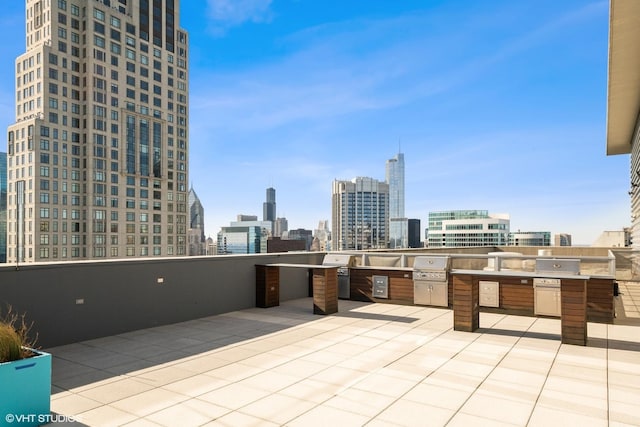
x,y
565,266
440,263
338,260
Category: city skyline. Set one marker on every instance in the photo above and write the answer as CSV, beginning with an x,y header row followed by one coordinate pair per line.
x,y
496,106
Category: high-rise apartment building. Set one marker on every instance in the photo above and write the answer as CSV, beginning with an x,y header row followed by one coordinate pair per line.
x,y
464,228
98,152
398,224
360,214
3,208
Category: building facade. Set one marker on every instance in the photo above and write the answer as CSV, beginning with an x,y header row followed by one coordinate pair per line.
x,y
301,234
98,154
614,239
467,228
530,238
360,214
623,104
414,233
398,224
256,239
562,239
323,235
3,208
276,244
398,233
280,226
241,240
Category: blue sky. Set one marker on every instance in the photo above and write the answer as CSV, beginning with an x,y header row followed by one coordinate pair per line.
x,y
497,105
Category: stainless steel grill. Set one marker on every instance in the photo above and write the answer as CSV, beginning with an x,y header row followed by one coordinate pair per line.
x,y
564,266
430,280
343,262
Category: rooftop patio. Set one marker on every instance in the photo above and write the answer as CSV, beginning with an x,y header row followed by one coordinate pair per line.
x,y
369,364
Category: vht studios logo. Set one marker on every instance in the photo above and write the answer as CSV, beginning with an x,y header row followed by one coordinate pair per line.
x,y
40,418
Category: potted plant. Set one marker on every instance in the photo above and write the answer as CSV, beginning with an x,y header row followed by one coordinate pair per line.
x,y
25,375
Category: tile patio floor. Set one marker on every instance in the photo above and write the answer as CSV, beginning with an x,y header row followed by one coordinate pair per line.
x,y
369,364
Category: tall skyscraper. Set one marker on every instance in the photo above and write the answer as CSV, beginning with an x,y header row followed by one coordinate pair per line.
x,y
100,142
269,208
197,241
360,214
398,223
3,208
196,212
395,178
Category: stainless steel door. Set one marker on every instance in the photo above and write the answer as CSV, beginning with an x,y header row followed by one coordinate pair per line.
x,y
430,293
547,301
439,294
421,292
489,293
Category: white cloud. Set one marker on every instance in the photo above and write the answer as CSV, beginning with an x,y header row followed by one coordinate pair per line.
x,y
225,14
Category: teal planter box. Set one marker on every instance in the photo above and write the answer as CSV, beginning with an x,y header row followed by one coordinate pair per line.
x,y
25,391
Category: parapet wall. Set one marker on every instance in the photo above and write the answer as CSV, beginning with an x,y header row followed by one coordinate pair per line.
x,y
70,302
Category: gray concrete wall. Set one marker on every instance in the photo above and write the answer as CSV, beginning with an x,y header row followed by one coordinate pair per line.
x,y
125,295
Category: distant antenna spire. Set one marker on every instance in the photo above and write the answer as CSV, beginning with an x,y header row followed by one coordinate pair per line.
x,y
399,144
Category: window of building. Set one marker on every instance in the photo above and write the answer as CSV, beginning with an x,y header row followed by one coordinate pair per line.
x,y
98,14
99,41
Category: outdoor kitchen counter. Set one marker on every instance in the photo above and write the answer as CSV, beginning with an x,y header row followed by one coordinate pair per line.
x,y
324,285
516,291
400,290
582,298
